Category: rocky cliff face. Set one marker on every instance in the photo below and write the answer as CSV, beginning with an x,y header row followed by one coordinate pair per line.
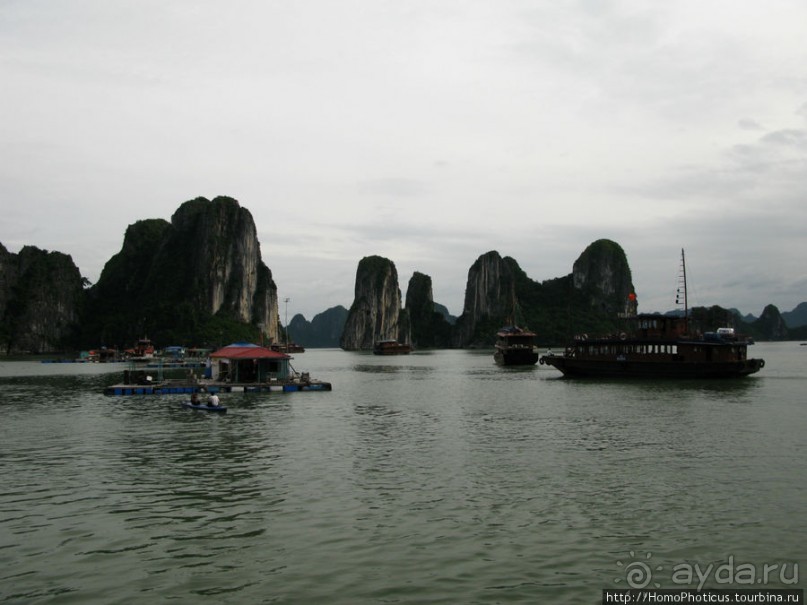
x,y
498,292
797,317
324,330
221,255
771,325
169,277
8,277
602,272
490,296
430,328
376,310
41,298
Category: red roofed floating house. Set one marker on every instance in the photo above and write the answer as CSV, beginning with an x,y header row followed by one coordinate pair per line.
x,y
243,362
241,365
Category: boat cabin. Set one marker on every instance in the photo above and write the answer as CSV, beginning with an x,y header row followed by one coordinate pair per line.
x,y
652,337
652,326
513,336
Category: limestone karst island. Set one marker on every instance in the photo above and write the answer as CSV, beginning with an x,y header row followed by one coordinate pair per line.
x,y
200,280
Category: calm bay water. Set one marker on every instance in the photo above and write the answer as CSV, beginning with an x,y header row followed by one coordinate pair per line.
x,y
429,478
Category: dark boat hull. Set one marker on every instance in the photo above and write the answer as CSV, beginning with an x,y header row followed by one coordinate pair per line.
x,y
393,349
515,357
600,368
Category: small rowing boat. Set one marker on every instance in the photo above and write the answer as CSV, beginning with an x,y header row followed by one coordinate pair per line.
x,y
204,407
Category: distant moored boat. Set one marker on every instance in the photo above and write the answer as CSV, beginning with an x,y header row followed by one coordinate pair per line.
x,y
391,347
515,347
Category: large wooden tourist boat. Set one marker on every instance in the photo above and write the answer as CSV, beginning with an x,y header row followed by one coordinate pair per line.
x,y
658,346
515,347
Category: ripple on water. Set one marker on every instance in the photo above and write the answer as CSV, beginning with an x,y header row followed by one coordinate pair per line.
x,y
439,478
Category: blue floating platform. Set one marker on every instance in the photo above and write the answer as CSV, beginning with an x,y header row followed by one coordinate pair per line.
x,y
124,390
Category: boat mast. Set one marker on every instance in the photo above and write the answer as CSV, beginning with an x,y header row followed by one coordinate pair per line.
x,y
286,300
682,288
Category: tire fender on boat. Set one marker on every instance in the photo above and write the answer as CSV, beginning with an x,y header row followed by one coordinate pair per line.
x,y
761,363
541,360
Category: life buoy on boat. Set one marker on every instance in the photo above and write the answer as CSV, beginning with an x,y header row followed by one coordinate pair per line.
x,y
622,336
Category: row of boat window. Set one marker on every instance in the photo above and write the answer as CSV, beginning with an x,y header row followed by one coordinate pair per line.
x,y
646,324
631,349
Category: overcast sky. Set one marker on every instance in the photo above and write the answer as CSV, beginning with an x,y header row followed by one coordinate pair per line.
x,y
426,131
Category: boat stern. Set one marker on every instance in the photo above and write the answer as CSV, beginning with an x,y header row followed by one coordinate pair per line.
x,y
550,359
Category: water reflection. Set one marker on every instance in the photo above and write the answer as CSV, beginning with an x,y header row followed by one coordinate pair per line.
x,y
397,369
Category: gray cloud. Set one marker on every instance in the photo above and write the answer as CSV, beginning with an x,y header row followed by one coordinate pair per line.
x,y
429,133
748,124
